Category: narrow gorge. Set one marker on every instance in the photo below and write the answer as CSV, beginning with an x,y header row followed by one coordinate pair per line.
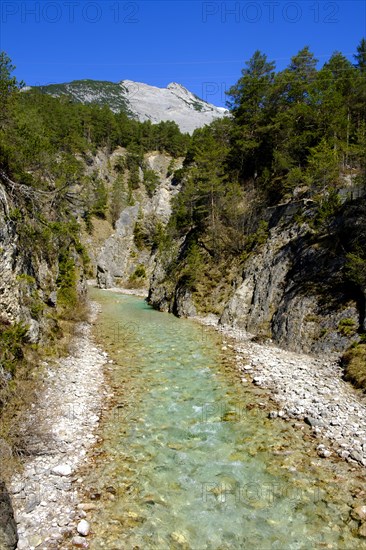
x,y
183,312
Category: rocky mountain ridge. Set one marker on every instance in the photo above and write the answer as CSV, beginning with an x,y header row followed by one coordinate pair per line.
x,y
142,101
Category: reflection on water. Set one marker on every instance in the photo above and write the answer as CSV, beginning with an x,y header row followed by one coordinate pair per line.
x,y
190,461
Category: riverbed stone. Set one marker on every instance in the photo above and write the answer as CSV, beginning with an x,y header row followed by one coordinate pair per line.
x,y
62,470
306,388
324,453
83,528
35,540
87,506
68,410
314,422
80,542
23,544
359,512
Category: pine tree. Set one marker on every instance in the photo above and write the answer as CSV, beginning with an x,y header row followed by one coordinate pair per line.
x,y
249,103
360,56
8,86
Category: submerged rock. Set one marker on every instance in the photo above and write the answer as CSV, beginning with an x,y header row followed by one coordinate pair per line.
x,y
362,530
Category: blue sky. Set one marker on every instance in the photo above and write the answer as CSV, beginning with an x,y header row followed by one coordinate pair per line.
x,y
200,44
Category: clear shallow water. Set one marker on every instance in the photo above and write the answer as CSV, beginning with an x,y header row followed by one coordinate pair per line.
x,y
190,461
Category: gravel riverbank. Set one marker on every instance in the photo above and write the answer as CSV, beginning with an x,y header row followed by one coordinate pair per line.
x,y
305,389
45,495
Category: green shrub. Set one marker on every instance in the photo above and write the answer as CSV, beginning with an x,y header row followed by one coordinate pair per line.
x,y
139,234
354,363
347,327
138,276
258,238
140,272
151,181
327,209
12,341
356,269
67,297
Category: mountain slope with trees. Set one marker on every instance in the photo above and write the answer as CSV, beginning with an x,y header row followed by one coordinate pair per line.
x,y
51,193
270,220
267,230
267,224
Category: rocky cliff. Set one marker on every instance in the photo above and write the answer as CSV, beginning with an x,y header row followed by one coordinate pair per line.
x,y
291,289
27,280
40,271
8,530
126,258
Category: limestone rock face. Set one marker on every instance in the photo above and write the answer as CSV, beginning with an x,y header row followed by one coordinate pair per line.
x,y
290,289
286,295
259,295
12,264
119,256
8,530
160,293
183,305
27,280
115,255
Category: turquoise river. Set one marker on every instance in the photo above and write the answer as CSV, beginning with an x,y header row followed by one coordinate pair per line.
x,y
188,457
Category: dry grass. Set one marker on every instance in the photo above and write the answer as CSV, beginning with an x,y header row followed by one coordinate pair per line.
x,y
19,436
354,362
18,396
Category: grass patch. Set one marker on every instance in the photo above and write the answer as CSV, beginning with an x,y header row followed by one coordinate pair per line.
x,y
347,327
138,277
18,392
354,363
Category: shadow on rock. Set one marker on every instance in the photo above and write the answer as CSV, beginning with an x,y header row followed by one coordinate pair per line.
x,y
8,529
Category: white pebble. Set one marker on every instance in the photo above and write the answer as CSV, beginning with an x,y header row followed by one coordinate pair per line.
x,y
62,470
83,528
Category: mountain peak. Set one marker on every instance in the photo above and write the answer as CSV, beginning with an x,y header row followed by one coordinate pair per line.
x,y
143,101
176,86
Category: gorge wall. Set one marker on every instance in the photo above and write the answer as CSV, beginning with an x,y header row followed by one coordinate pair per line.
x,y
126,256
291,289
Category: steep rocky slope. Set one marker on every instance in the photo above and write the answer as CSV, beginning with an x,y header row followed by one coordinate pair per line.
x,y
291,289
40,271
28,280
125,256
